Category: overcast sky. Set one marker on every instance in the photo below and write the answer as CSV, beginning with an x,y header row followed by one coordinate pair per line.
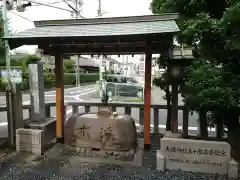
x,y
112,8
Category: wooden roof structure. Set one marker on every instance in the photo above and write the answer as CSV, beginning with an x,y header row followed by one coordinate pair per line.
x,y
117,35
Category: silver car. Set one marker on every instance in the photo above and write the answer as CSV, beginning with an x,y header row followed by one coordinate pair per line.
x,y
121,86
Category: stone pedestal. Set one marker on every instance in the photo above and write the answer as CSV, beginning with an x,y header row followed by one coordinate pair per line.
x,y
170,134
48,126
36,83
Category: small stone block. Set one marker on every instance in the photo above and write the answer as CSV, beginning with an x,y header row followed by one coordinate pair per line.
x,y
160,161
32,149
29,140
233,168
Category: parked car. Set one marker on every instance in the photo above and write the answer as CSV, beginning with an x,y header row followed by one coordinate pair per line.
x,y
119,85
141,80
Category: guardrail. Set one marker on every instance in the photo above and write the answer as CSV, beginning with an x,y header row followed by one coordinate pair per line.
x,y
127,109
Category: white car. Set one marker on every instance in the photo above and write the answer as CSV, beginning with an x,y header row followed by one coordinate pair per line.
x,y
141,81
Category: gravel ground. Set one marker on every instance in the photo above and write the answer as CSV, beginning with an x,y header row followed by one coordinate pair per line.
x,y
26,167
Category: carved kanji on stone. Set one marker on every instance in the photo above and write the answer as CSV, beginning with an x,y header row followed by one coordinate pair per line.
x,y
107,137
82,132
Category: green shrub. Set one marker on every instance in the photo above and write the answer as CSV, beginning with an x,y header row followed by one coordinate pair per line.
x,y
70,78
50,79
26,60
70,71
68,64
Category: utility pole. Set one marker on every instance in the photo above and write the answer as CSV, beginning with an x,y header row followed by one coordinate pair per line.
x,y
9,85
99,13
13,86
99,8
77,4
6,33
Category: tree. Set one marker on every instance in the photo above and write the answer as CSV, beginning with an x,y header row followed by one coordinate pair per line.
x,y
163,82
2,43
212,82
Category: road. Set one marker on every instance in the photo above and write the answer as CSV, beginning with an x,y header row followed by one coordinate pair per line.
x,y
70,95
88,93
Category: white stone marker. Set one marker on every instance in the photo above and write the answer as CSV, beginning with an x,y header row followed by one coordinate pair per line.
x,y
29,140
36,83
196,155
160,161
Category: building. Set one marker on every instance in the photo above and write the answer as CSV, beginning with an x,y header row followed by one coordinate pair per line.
x,y
85,64
178,53
110,64
155,68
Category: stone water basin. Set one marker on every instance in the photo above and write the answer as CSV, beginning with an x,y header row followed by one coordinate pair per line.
x,y
102,131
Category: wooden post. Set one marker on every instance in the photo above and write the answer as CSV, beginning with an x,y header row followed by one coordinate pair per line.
x,y
185,121
59,98
174,73
147,98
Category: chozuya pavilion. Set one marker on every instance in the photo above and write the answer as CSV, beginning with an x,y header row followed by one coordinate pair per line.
x,y
151,34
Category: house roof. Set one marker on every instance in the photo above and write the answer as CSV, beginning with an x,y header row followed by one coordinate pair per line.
x,y
84,61
112,60
89,32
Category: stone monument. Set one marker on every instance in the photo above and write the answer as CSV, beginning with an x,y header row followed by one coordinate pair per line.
x,y
196,156
38,119
36,83
104,133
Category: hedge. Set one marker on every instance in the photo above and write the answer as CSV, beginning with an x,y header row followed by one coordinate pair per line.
x,y
49,80
70,78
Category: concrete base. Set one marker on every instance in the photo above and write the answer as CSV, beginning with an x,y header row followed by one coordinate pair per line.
x,y
137,160
48,126
172,135
233,169
160,161
89,155
232,166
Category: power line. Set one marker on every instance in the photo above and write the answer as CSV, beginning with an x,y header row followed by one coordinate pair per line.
x,y
74,9
21,16
49,5
56,2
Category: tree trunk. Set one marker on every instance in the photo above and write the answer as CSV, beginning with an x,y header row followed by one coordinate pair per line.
x,y
168,97
203,132
219,126
233,127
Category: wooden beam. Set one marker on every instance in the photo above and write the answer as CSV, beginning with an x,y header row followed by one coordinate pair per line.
x,y
147,97
97,49
59,98
16,42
